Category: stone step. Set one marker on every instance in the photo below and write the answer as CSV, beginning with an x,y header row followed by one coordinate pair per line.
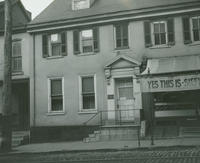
x,y
189,132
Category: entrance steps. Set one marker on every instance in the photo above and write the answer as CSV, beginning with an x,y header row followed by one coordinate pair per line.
x,y
20,138
114,132
189,131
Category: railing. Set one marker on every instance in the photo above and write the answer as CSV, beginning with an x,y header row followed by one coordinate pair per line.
x,y
115,117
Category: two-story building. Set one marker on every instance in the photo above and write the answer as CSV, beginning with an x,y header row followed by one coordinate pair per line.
x,y
113,60
20,64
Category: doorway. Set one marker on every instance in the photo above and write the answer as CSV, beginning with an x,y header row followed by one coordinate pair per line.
x,y
124,99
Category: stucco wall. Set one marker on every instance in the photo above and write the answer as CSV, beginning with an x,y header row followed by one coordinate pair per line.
x,y
71,66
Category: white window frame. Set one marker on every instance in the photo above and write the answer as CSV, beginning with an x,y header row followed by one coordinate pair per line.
x,y
49,96
81,110
152,32
115,39
18,56
191,28
56,42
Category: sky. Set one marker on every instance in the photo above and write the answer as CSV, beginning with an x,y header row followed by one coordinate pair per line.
x,y
35,6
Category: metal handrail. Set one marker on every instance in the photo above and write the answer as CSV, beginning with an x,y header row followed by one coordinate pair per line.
x,y
104,111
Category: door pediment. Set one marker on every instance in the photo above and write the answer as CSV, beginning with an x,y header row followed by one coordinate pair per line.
x,y
122,61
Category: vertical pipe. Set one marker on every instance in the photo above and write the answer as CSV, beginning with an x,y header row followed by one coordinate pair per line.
x,y
34,84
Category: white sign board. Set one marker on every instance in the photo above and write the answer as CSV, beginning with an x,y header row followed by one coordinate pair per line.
x,y
173,83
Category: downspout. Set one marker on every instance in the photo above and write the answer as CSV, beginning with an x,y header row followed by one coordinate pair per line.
x,y
34,84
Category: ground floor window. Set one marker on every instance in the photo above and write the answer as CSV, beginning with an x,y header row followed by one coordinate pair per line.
x,y
88,93
56,95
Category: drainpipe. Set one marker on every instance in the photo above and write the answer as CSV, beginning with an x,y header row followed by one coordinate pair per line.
x,y
34,84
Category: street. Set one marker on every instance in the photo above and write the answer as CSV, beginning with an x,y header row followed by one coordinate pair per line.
x,y
158,155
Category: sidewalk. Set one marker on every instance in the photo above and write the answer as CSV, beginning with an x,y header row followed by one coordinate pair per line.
x,y
109,145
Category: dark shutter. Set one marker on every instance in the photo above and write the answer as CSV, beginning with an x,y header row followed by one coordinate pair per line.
x,y
186,30
45,47
170,31
96,39
147,33
64,43
76,42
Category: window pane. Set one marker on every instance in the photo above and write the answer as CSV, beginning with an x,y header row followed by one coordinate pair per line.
x,y
126,92
87,84
125,42
54,38
119,43
196,35
16,51
56,87
195,23
163,38
89,101
56,49
157,39
156,28
125,31
56,104
118,32
162,28
87,40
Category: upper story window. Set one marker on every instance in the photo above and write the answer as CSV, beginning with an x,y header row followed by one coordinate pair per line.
x,y
80,4
86,41
54,44
196,28
16,56
121,36
191,29
159,33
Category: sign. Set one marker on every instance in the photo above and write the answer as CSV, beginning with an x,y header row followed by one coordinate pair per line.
x,y
175,83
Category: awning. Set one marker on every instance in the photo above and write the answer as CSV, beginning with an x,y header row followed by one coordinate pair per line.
x,y
172,64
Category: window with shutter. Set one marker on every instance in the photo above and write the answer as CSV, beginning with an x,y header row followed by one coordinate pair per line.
x,y
159,33
54,44
86,41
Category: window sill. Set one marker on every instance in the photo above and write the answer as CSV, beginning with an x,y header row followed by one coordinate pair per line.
x,y
54,57
55,113
17,73
86,54
122,48
195,43
88,112
160,46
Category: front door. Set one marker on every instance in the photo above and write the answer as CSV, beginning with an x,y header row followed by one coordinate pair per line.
x,y
125,99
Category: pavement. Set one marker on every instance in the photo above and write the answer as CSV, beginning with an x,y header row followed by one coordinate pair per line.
x,y
107,145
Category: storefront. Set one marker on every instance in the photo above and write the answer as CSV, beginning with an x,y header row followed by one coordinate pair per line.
x,y
171,92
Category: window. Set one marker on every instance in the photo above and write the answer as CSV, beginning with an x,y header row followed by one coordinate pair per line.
x,y
159,33
80,4
196,28
16,56
121,33
56,95
86,41
88,94
54,44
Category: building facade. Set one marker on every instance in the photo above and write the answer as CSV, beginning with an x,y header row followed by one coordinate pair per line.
x,y
20,64
115,61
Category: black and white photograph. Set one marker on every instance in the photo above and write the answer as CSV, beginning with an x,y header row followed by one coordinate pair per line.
x,y
100,81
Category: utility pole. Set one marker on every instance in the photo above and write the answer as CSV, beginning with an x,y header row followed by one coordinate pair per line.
x,y
7,81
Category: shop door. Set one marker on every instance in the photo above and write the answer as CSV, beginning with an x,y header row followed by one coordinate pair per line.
x,y
125,99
